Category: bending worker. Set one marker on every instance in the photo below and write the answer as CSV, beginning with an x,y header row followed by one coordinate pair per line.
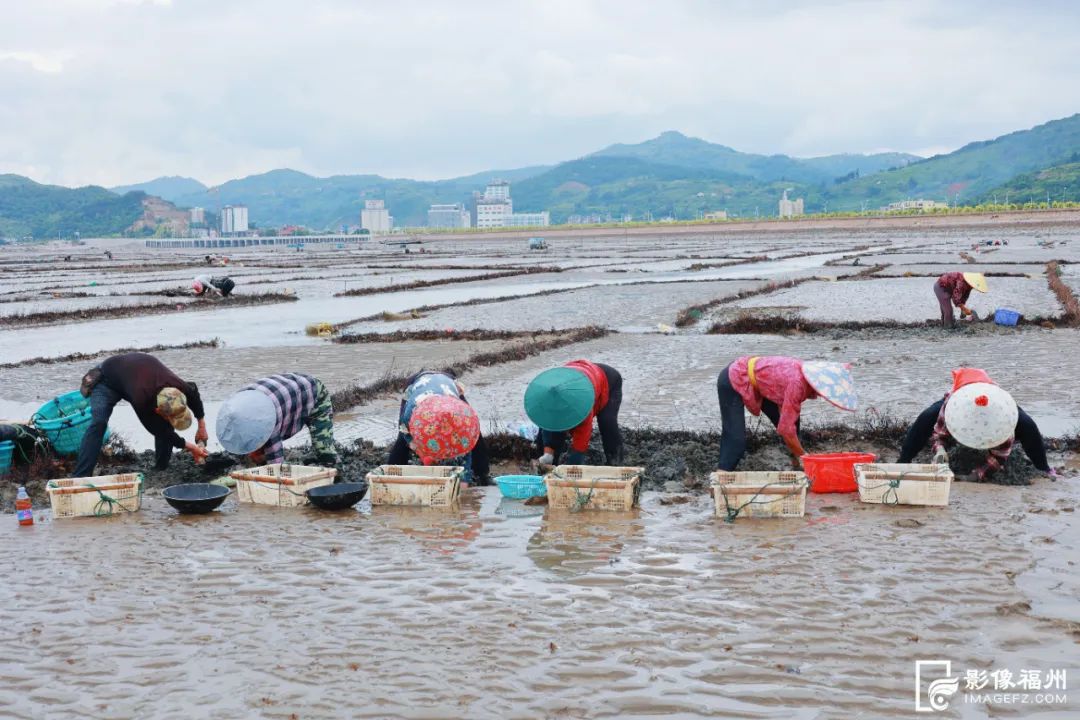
x,y
977,414
564,400
161,401
776,386
436,422
207,285
954,288
258,419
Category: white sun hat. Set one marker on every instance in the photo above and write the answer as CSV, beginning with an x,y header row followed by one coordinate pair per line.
x,y
981,415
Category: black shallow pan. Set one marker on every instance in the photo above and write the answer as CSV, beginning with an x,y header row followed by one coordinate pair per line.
x,y
338,496
195,498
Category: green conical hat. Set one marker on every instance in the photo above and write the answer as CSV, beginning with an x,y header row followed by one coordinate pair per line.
x,y
559,399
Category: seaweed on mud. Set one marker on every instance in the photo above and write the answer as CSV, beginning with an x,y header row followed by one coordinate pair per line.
x,y
361,394
432,335
53,317
749,323
1069,303
690,315
741,261
418,284
80,357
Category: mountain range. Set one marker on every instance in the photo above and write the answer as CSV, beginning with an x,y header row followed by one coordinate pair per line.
x,y
669,175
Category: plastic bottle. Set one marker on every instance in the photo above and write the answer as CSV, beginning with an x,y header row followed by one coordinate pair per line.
x,y
22,507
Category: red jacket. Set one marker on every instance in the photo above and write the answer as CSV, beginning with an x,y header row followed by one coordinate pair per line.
x,y
580,435
957,287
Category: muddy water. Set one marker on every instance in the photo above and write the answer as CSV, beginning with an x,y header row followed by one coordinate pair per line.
x,y
481,612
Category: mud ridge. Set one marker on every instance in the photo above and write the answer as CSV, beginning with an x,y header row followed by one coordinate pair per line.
x,y
752,324
1063,293
357,292
66,316
683,457
362,394
80,357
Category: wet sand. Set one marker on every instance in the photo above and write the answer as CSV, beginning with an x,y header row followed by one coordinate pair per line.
x,y
658,613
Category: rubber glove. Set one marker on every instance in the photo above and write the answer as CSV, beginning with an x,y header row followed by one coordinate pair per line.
x,y
546,459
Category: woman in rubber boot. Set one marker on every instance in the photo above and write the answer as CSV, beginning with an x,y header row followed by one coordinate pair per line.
x,y
977,414
564,401
439,431
776,386
955,288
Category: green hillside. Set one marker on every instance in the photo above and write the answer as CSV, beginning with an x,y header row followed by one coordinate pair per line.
x,y
29,208
1060,182
283,197
166,188
966,174
674,148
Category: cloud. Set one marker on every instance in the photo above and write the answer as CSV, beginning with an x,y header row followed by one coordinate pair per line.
x,y
117,91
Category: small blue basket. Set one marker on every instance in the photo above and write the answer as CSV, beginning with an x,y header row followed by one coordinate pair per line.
x,y
521,487
6,449
1005,316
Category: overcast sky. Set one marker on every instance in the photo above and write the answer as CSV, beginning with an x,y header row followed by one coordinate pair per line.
x,y
120,91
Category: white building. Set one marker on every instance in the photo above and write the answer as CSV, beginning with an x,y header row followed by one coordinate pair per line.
x,y
493,213
198,216
790,208
540,219
716,215
448,216
495,209
920,205
375,218
497,190
234,219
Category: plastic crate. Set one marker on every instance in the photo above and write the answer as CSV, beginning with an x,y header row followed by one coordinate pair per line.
x,y
834,472
95,496
281,484
904,484
430,485
1005,316
759,494
593,487
65,420
521,487
7,448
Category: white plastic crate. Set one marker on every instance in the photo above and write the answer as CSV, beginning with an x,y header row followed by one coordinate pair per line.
x,y
759,494
282,484
95,496
593,487
904,484
431,485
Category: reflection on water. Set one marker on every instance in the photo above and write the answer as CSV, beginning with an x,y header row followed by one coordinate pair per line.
x,y
573,543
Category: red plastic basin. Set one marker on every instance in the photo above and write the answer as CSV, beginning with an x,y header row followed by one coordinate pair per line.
x,y
834,472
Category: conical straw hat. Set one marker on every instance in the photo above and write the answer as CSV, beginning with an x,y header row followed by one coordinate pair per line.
x,y
981,416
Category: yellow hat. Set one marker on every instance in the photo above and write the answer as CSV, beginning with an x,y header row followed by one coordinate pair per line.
x,y
172,405
976,280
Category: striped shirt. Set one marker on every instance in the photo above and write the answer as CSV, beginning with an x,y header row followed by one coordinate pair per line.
x,y
996,457
294,397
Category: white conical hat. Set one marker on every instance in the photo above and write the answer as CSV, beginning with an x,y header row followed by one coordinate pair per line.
x,y
981,415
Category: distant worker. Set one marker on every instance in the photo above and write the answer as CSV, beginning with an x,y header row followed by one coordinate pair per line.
x,y
162,401
258,419
976,414
207,285
108,254
436,422
954,288
776,386
563,401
